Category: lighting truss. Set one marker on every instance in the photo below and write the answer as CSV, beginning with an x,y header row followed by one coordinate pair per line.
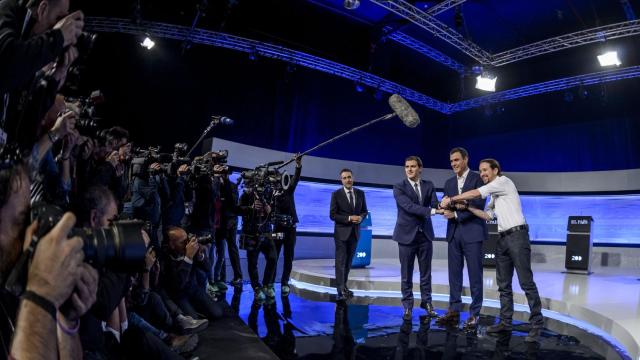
x,y
267,50
443,6
424,49
436,27
549,86
602,33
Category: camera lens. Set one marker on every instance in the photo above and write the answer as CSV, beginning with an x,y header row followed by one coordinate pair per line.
x,y
119,247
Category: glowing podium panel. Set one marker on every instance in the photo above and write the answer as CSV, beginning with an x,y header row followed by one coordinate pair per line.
x,y
362,256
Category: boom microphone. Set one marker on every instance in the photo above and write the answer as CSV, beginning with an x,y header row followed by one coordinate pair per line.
x,y
404,111
215,119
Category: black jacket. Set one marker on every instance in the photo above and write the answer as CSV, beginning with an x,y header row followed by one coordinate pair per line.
x,y
341,210
286,203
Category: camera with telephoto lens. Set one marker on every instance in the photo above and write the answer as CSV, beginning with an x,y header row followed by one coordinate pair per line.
x,y
119,247
143,158
87,120
203,239
206,164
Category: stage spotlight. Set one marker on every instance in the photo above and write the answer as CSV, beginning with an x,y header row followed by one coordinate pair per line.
x,y
486,82
148,43
609,58
351,4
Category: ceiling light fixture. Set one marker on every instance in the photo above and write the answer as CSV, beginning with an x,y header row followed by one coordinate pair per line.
x,y
486,82
148,43
610,58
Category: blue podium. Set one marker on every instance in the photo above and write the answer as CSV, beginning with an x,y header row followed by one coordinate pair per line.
x,y
362,257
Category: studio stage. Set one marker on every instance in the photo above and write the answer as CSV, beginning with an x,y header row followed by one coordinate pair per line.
x,y
605,303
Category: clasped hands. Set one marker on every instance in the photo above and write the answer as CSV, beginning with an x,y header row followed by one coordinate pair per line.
x,y
447,207
356,219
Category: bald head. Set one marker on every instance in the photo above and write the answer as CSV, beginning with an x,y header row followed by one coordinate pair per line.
x,y
178,239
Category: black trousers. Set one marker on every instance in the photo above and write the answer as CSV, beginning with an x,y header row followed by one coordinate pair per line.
x,y
228,235
421,248
268,249
514,251
460,251
288,243
155,312
345,250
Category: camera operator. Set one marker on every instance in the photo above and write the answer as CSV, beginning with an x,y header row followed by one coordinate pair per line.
x,y
226,231
33,34
286,205
173,209
145,198
56,273
180,263
254,214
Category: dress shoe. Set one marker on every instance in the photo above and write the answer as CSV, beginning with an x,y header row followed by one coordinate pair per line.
x,y
451,317
533,335
471,323
347,292
499,327
408,314
429,309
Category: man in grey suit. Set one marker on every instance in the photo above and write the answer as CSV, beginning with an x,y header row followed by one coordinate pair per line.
x,y
348,209
417,202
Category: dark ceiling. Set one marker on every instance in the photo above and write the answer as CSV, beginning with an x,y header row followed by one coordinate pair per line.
x,y
292,109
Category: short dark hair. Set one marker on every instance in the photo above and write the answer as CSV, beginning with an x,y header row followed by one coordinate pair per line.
x,y
493,163
346,170
117,132
461,150
414,158
97,197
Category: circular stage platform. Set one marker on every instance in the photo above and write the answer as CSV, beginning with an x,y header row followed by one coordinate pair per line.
x,y
604,306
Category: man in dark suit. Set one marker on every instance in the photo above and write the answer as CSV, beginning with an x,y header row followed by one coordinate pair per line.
x,y
465,234
416,201
348,209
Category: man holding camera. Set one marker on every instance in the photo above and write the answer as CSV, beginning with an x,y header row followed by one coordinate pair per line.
x,y
465,234
33,34
348,208
183,257
57,275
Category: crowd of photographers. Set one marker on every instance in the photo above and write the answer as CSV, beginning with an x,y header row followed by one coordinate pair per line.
x,y
108,251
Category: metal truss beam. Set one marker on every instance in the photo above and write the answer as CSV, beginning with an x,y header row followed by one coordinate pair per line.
x,y
443,6
549,86
602,33
199,36
424,49
436,27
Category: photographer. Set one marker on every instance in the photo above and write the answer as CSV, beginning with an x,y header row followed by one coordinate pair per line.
x,y
173,209
179,265
56,273
35,54
286,205
255,240
145,198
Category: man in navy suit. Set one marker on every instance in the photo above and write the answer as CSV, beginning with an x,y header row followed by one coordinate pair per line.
x,y
417,202
465,234
348,209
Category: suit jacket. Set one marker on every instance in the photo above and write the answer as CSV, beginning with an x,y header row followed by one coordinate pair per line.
x,y
414,213
473,228
340,211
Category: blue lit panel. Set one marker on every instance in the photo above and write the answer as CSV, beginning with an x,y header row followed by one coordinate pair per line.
x,y
616,217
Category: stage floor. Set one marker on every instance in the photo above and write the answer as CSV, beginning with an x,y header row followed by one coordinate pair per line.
x,y
605,303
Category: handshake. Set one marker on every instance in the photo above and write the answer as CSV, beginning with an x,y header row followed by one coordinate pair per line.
x,y
448,204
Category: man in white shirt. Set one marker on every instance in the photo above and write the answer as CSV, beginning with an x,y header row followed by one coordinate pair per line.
x,y
514,248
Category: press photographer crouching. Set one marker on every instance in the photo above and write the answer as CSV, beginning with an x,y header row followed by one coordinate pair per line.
x,y
182,258
55,275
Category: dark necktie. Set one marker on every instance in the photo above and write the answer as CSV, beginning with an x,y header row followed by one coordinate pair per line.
x,y
353,205
415,186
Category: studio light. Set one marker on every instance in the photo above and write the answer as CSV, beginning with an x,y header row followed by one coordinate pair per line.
x,y
609,58
486,82
351,4
148,43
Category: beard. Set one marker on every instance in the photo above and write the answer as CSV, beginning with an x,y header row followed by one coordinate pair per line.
x,y
9,256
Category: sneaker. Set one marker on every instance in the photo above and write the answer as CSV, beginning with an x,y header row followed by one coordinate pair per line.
x,y
182,343
269,291
258,294
221,286
284,290
212,290
190,325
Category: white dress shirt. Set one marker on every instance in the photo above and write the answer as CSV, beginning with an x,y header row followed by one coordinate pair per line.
x,y
461,180
504,204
